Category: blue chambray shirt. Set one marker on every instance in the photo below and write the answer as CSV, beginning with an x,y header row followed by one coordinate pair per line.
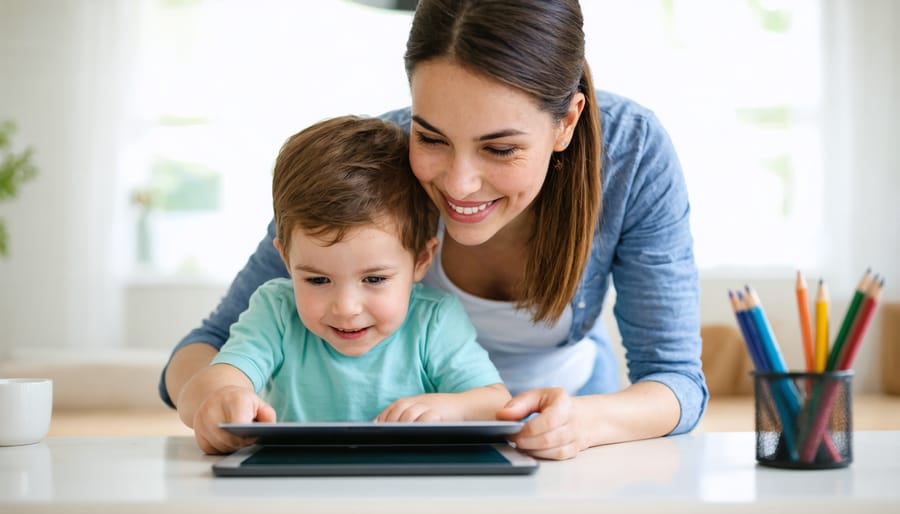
x,y
643,245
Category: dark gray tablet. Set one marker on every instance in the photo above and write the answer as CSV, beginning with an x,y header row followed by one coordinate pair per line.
x,y
323,449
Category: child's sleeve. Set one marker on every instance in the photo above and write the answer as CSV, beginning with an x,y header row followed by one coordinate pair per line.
x,y
454,360
254,344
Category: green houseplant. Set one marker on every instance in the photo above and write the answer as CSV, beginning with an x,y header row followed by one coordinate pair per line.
x,y
16,168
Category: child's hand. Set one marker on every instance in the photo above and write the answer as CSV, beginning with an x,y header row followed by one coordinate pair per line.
x,y
230,404
424,407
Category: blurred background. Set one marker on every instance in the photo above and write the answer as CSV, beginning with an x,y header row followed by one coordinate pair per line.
x,y
153,126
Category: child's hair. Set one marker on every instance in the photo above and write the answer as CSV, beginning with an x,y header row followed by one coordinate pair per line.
x,y
346,172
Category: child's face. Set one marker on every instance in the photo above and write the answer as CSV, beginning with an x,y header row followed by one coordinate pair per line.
x,y
354,293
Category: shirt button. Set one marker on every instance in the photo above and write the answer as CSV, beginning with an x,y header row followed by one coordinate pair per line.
x,y
581,304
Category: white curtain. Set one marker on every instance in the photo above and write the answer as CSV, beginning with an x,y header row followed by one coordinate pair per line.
x,y
64,67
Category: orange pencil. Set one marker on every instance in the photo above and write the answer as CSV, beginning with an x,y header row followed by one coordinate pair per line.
x,y
822,301
805,323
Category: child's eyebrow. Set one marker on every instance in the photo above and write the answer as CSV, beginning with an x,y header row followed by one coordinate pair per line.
x,y
308,269
377,269
381,268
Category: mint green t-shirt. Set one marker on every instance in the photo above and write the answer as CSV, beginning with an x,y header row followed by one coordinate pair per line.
x,y
305,379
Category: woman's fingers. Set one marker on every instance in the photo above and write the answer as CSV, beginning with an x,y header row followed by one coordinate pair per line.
x,y
552,433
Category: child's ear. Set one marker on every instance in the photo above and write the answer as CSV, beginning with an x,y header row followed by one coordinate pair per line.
x,y
424,259
277,244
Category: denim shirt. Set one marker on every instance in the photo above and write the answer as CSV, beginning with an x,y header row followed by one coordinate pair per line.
x,y
642,244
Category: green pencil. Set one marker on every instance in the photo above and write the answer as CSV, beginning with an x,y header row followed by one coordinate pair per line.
x,y
847,324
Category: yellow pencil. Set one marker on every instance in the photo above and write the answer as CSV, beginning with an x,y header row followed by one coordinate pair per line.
x,y
822,301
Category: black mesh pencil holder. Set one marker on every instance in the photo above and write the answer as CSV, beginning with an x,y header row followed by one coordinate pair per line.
x,y
803,420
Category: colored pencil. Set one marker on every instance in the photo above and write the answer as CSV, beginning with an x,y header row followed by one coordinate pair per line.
x,y
849,317
860,324
785,394
766,335
819,423
805,323
750,338
822,301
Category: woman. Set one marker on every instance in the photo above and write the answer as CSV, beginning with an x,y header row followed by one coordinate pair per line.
x,y
505,136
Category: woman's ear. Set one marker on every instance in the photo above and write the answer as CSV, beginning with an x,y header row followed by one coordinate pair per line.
x,y
424,259
569,121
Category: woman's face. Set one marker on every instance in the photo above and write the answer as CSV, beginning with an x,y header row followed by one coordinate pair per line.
x,y
480,149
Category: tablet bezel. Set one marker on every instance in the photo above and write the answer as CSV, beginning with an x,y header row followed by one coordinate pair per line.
x,y
376,433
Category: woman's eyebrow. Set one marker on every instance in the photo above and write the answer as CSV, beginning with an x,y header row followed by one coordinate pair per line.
x,y
429,126
486,137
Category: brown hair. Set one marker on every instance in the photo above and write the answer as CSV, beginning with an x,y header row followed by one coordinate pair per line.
x,y
537,47
347,172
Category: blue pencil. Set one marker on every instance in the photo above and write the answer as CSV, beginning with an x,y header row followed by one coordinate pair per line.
x,y
787,398
750,338
766,336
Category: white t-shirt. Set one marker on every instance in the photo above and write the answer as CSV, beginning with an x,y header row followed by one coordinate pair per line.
x,y
527,355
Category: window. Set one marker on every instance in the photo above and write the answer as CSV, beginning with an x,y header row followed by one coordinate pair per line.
x,y
221,84
738,86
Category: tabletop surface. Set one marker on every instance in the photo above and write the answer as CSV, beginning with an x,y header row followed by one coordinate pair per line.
x,y
702,472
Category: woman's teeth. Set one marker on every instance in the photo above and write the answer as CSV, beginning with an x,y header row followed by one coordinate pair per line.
x,y
469,210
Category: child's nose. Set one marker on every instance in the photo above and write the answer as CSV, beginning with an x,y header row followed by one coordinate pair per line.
x,y
346,302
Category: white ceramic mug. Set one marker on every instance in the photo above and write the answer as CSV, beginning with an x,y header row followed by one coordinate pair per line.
x,y
25,408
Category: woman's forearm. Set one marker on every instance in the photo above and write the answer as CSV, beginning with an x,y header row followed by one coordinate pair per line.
x,y
186,363
641,411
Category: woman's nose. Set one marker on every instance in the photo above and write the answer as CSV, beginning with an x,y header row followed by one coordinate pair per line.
x,y
462,178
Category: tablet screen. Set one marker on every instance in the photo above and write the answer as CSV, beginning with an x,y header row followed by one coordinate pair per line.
x,y
376,459
367,455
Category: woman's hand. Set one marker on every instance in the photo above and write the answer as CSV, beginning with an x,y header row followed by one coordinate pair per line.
x,y
230,404
556,432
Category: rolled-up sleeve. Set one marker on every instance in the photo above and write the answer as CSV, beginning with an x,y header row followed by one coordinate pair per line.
x,y
656,281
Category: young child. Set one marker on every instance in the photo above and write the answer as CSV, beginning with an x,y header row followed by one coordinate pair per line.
x,y
351,336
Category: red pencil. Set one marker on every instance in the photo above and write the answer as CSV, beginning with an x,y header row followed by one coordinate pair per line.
x,y
866,310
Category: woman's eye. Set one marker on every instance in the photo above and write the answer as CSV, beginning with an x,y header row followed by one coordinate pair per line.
x,y
425,140
504,151
317,281
374,280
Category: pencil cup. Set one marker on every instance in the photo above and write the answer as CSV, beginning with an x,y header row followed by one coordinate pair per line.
x,y
804,420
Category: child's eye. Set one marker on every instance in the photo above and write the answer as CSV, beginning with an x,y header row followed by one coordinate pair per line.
x,y
317,281
374,280
425,140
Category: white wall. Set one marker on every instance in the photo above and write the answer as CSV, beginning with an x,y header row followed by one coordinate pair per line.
x,y
59,75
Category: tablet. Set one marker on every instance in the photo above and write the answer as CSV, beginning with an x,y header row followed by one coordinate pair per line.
x,y
375,433
339,449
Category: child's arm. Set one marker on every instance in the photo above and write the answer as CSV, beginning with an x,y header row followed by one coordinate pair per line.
x,y
477,404
220,393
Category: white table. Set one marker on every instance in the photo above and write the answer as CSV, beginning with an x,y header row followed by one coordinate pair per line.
x,y
706,472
